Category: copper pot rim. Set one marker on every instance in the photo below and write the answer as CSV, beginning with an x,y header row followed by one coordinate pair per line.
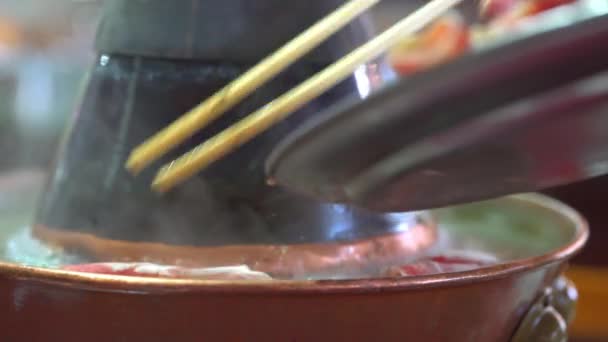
x,y
142,285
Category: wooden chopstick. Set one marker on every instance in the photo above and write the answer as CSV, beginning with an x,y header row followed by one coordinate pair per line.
x,y
257,122
234,92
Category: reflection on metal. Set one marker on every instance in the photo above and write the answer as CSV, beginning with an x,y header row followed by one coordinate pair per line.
x,y
116,160
363,83
548,319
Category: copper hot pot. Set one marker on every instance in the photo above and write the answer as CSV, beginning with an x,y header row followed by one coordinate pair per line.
x,y
522,299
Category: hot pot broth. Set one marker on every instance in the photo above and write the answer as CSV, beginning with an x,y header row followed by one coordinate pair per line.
x,y
448,255
470,237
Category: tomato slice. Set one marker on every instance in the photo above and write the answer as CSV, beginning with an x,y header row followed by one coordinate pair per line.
x,y
513,10
446,39
495,8
539,6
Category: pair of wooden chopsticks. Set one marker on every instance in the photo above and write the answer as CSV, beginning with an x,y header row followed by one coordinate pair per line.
x,y
213,149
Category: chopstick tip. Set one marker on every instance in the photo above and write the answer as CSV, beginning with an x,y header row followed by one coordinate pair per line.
x,y
161,182
159,186
134,165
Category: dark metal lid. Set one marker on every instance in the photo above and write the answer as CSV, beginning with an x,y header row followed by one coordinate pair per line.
x,y
228,30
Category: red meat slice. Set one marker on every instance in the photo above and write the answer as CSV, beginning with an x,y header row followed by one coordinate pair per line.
x,y
448,263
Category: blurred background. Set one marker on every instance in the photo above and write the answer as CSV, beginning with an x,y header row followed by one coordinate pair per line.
x,y
46,46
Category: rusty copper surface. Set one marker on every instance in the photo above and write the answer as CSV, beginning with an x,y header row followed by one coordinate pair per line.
x,y
485,304
279,260
487,310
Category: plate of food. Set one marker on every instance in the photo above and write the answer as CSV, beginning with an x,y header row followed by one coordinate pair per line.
x,y
514,104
